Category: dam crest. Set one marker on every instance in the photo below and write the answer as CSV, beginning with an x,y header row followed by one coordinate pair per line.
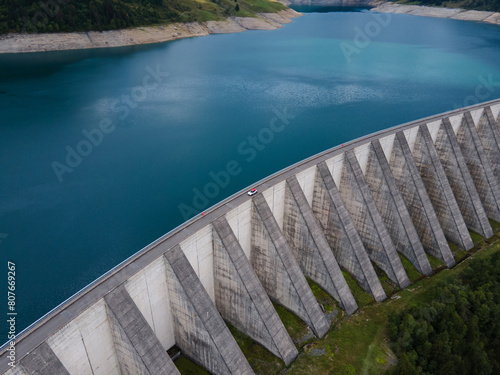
x,y
401,193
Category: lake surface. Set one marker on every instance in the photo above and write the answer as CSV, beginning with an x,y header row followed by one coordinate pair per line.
x,y
155,122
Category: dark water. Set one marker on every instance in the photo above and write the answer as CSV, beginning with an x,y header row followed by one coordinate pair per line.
x,y
164,140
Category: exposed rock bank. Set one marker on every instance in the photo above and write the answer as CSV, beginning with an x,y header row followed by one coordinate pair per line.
x,y
454,13
16,43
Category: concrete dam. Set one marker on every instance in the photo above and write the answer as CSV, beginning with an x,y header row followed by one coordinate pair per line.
x,y
403,192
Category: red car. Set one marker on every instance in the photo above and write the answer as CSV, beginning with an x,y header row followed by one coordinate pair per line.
x,y
252,192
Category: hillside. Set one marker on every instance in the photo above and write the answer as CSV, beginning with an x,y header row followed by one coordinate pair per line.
x,y
34,16
485,5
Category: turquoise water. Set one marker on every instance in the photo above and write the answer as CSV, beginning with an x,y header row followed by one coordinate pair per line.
x,y
205,100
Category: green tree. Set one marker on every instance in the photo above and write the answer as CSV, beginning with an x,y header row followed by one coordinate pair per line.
x,y
458,331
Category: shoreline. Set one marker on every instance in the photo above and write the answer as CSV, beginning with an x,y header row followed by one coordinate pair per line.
x,y
46,42
426,11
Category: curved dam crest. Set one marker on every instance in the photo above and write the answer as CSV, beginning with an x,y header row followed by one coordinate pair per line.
x,y
405,191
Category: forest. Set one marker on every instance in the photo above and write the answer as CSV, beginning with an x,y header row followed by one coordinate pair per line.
x,y
35,16
458,332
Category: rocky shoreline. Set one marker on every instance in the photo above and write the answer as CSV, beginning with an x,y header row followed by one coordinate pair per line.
x,y
21,43
425,11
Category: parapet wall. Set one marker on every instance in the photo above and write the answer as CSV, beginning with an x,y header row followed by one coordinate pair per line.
x,y
404,191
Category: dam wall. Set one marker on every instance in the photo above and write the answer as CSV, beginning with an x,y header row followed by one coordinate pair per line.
x,y
361,208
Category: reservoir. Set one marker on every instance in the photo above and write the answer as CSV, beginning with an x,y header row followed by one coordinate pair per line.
x,y
103,151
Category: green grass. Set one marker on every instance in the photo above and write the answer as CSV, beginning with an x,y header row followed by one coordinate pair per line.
x,y
479,243
323,298
410,269
262,6
296,328
476,238
186,367
356,342
494,225
457,252
389,286
436,264
362,298
260,359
